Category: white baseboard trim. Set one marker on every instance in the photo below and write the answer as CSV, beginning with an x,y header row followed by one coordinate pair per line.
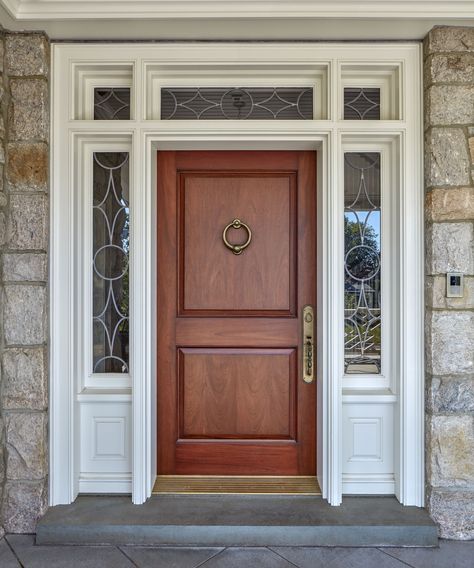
x,y
368,484
105,483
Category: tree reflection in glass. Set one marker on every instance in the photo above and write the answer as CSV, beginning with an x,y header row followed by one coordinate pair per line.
x,y
362,279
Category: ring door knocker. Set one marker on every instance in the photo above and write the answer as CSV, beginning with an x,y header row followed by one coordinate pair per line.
x,y
239,248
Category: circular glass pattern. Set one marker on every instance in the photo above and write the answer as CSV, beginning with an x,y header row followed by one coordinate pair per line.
x,y
362,263
236,104
110,262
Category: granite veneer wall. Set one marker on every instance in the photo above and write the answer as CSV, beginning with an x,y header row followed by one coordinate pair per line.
x,y
449,333
24,159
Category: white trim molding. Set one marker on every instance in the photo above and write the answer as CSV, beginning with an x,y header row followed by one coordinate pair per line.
x,y
396,405
232,20
217,9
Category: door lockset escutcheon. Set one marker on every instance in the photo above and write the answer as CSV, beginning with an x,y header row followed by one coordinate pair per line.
x,y
308,344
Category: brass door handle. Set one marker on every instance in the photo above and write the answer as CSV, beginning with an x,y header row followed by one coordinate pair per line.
x,y
308,344
238,248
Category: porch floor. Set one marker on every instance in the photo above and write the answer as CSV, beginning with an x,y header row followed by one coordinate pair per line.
x,y
237,520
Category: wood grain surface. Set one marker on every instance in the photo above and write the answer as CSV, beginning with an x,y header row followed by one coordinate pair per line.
x,y
231,399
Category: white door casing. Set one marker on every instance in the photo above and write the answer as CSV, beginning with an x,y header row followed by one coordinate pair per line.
x,y
79,400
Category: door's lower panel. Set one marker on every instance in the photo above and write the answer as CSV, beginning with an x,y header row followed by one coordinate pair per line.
x,y
257,485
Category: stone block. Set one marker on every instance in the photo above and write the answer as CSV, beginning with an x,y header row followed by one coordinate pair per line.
x,y
3,198
2,455
452,204
27,168
449,105
446,158
3,229
449,38
471,148
29,109
28,228
450,394
449,68
451,451
450,343
24,315
25,441
23,267
450,248
24,379
435,294
452,510
23,505
26,54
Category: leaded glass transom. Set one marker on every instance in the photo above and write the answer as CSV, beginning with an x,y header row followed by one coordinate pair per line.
x,y
111,245
361,103
112,103
362,260
252,103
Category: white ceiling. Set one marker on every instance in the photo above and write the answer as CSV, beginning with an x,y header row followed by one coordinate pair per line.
x,y
235,19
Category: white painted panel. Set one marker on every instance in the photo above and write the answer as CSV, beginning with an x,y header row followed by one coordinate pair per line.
x,y
368,448
110,440
105,443
366,439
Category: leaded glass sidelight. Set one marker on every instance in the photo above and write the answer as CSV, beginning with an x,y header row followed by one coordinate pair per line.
x,y
112,103
229,103
362,260
110,256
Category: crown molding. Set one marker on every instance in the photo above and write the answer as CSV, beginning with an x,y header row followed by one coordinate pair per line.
x,y
11,6
42,10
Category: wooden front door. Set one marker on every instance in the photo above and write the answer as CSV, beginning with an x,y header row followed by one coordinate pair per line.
x,y
231,395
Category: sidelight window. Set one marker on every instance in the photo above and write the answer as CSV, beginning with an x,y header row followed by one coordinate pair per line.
x,y
110,258
362,263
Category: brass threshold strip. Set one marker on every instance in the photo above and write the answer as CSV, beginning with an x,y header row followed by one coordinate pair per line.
x,y
236,485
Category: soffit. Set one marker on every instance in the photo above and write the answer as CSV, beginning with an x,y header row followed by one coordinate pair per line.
x,y
229,19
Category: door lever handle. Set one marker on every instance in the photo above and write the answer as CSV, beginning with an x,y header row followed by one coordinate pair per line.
x,y
308,344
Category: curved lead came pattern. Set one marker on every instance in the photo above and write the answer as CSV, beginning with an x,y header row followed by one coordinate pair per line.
x,y
361,103
112,103
110,256
362,282
237,103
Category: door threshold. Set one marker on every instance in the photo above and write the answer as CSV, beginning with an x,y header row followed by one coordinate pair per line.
x,y
236,485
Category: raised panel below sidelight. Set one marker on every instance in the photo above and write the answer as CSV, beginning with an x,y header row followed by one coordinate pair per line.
x,y
106,438
368,449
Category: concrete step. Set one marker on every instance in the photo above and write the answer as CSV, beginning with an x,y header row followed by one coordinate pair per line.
x,y
238,520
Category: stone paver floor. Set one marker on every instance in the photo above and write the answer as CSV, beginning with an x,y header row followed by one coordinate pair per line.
x,y
20,551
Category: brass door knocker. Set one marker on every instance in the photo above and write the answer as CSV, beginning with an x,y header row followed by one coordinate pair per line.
x,y
239,248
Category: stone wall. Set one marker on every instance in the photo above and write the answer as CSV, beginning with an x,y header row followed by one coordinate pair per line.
x,y
24,156
449,177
